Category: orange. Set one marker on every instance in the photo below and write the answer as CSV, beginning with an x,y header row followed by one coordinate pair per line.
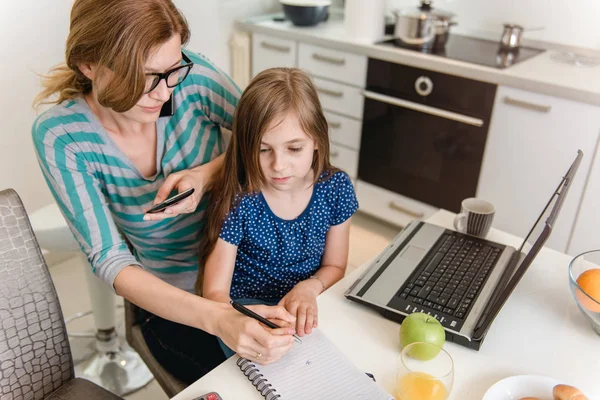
x,y
589,281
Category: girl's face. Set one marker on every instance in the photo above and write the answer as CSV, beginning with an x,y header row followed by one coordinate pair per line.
x,y
286,154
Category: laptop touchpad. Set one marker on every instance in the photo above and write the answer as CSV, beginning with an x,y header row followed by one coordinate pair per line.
x,y
394,275
413,253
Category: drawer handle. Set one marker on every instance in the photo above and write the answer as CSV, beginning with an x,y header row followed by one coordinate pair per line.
x,y
330,92
327,59
335,125
405,210
276,47
527,105
334,154
424,109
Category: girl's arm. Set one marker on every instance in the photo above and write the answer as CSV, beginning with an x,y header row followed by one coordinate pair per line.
x,y
335,257
218,272
301,301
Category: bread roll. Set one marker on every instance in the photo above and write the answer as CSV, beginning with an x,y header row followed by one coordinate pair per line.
x,y
566,392
579,397
530,398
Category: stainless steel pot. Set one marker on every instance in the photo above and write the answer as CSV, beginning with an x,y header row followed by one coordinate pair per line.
x,y
511,36
442,32
423,27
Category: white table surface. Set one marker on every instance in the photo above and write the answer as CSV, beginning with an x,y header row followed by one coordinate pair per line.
x,y
539,331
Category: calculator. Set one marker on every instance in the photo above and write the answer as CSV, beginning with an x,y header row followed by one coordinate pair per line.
x,y
209,396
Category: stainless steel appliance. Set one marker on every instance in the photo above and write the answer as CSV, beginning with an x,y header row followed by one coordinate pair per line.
x,y
424,133
423,27
511,36
477,51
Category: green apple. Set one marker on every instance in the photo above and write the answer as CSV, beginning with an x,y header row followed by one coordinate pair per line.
x,y
421,327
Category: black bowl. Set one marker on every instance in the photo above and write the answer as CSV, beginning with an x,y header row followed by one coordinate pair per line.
x,y
305,15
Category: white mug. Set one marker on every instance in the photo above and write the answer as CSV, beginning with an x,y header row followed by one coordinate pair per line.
x,y
475,217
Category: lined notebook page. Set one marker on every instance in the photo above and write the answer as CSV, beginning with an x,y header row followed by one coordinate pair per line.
x,y
316,369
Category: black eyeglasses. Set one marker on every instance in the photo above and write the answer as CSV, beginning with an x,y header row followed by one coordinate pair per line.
x,y
172,77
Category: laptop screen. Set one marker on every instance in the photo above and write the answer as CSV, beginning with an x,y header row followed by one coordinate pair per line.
x,y
531,246
548,216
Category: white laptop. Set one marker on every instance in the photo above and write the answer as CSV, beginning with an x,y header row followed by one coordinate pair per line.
x,y
461,280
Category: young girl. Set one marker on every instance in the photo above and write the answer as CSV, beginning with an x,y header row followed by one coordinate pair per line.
x,y
279,214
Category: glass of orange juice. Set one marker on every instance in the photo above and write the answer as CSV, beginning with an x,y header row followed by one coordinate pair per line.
x,y
425,372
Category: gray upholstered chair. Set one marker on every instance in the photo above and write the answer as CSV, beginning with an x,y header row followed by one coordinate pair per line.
x,y
35,357
133,333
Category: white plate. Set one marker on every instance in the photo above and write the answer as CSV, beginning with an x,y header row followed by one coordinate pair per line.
x,y
519,386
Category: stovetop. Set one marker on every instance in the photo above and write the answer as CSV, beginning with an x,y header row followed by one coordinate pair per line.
x,y
474,50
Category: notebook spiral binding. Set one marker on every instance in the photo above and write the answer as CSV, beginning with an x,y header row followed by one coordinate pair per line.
x,y
258,380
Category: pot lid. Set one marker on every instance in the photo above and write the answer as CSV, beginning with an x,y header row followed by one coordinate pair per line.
x,y
306,3
425,11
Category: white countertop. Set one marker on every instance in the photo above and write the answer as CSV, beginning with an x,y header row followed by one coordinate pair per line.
x,y
538,74
539,331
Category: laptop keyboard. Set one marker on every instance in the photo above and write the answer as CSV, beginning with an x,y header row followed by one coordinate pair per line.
x,y
447,284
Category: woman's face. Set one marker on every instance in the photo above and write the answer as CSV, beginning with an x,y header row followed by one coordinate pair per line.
x,y
163,58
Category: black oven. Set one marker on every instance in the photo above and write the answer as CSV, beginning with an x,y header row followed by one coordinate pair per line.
x,y
424,133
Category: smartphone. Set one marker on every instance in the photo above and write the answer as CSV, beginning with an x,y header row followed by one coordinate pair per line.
x,y
170,201
209,396
168,109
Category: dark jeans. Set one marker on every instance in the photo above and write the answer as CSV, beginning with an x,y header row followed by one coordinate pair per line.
x,y
187,353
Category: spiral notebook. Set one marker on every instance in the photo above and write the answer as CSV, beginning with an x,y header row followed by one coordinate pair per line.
x,y
315,369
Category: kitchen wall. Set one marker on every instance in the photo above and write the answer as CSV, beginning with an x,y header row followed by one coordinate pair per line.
x,y
34,34
569,22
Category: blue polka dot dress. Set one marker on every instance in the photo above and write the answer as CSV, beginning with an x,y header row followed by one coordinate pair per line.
x,y
275,254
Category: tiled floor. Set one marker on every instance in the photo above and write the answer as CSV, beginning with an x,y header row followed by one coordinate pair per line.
x,y
368,237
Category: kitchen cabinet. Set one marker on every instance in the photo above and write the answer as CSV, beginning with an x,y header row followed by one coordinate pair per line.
x,y
340,98
391,206
269,52
332,64
532,140
344,130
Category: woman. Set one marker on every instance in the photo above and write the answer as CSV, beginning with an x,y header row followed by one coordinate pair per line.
x,y
136,119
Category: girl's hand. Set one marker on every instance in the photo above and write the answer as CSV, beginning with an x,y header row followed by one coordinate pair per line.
x,y
252,340
196,178
301,301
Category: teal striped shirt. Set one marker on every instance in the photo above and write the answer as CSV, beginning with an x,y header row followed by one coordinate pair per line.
x,y
102,194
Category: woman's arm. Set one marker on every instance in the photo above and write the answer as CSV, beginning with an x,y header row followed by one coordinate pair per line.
x,y
219,96
242,334
218,272
79,195
199,178
301,301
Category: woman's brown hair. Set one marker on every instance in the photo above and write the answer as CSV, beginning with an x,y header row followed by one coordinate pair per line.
x,y
270,97
119,35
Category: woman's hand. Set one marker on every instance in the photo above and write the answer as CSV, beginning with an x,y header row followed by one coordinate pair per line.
x,y
301,301
197,178
252,340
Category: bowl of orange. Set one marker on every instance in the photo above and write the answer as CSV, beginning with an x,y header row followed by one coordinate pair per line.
x,y
584,279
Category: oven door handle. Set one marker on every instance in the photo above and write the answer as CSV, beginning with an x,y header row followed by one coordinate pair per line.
x,y
423,108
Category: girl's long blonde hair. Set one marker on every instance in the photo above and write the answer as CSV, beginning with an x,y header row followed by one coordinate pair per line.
x,y
270,96
118,35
